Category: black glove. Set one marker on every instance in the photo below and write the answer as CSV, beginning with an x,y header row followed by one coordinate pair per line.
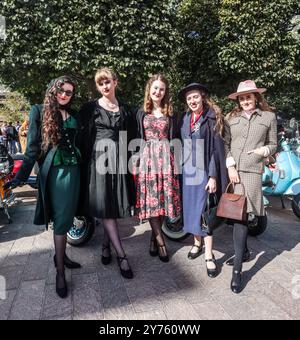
x,y
13,183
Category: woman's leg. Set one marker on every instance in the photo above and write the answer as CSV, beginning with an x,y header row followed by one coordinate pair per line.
x,y
60,248
240,233
111,230
197,244
105,244
208,241
156,223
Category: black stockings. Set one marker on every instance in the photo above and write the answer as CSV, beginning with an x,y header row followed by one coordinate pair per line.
x,y
240,232
111,234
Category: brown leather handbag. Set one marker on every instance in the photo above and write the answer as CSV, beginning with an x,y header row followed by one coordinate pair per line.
x,y
232,205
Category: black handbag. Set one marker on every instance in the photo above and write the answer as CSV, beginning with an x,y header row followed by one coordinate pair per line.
x,y
209,219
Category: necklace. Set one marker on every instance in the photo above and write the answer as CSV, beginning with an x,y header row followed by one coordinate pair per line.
x,y
109,104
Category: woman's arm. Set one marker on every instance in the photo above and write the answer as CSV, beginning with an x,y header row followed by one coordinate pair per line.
x,y
33,148
230,161
271,140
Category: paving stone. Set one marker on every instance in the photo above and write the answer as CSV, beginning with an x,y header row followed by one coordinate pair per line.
x,y
37,266
29,301
5,248
179,309
6,304
210,310
86,297
12,275
125,312
112,290
54,307
151,315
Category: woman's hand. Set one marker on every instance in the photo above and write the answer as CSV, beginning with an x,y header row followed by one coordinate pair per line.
x,y
262,151
233,175
211,185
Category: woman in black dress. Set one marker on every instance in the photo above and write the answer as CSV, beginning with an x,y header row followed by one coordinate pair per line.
x,y
108,127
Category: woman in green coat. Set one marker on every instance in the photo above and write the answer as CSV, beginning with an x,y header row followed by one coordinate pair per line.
x,y
51,142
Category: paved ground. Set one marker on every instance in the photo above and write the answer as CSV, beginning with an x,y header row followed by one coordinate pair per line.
x,y
179,289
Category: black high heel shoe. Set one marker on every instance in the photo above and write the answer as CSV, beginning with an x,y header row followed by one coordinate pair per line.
x,y
153,250
127,273
106,259
212,272
165,257
68,263
62,292
236,282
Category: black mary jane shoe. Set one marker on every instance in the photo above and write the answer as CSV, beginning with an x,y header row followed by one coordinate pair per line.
x,y
246,258
62,292
106,259
68,263
192,255
212,272
153,250
127,273
236,282
163,257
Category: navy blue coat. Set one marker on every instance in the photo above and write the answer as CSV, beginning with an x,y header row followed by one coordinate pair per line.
x,y
210,163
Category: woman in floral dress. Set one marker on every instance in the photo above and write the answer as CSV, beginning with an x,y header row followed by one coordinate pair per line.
x,y
158,188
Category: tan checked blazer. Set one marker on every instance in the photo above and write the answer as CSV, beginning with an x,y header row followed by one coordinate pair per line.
x,y
242,135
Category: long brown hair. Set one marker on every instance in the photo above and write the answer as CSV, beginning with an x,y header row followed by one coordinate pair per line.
x,y
261,104
52,119
208,102
166,105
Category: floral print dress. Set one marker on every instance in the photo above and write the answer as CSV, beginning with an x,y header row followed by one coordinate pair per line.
x,y
158,188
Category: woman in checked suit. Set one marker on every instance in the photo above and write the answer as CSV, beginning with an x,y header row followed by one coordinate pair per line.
x,y
250,136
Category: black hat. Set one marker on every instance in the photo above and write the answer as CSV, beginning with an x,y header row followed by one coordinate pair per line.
x,y
190,87
58,82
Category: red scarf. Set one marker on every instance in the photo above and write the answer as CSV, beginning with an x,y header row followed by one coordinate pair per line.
x,y
195,118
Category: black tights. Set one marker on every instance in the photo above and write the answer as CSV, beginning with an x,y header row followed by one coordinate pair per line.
x,y
156,223
60,242
111,234
240,233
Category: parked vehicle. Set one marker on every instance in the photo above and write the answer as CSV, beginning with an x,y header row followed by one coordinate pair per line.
x,y
7,197
282,178
295,140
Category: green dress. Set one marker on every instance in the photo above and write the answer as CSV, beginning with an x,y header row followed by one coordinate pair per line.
x,y
63,182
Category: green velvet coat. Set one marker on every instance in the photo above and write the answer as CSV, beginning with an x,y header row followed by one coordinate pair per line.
x,y
33,154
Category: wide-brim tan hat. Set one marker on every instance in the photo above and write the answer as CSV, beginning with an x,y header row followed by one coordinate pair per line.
x,y
247,86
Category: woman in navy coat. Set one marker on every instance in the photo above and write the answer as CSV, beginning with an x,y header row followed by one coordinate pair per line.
x,y
204,169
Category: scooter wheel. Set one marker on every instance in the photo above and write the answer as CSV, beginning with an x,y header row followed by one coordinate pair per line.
x,y
173,229
257,225
81,231
296,205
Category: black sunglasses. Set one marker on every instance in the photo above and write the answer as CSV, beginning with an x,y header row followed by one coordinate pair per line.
x,y
68,93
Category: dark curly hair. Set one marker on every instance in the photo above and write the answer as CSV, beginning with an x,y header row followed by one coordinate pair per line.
x,y
52,119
